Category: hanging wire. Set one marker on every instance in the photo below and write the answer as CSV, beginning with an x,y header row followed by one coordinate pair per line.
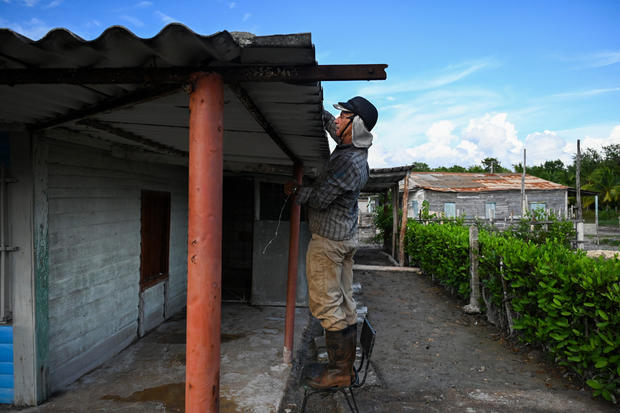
x,y
278,226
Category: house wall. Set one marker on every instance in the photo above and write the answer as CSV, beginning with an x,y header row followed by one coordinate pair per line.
x,y
28,378
94,254
271,247
473,204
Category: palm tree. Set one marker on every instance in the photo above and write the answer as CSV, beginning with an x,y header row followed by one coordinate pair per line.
x,y
606,183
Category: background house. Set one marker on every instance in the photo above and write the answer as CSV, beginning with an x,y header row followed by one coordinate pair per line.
x,y
483,195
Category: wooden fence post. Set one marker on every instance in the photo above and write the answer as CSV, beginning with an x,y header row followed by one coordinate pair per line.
x,y
394,218
403,223
474,282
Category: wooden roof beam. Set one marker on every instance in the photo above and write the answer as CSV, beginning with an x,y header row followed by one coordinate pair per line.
x,y
125,134
254,110
115,102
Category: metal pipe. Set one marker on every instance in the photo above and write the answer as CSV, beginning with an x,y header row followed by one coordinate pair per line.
x,y
596,217
291,283
204,250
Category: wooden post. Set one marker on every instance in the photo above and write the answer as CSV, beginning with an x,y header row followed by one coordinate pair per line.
x,y
204,249
506,298
394,218
474,297
579,224
523,201
403,223
291,283
578,180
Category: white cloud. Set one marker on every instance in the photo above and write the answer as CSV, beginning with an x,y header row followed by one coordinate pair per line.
x,y
545,146
495,137
143,4
590,92
30,3
440,148
247,16
232,4
592,60
164,17
601,59
450,74
598,143
132,20
548,145
54,3
33,28
378,156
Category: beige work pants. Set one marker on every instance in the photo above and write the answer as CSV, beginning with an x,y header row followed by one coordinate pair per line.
x,y
329,270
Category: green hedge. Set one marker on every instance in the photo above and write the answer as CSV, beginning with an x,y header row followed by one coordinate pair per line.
x,y
562,300
441,251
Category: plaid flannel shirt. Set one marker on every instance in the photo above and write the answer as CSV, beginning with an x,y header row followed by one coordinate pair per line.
x,y
332,199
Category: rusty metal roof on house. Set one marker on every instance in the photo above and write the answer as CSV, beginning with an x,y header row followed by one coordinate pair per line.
x,y
129,91
382,179
477,182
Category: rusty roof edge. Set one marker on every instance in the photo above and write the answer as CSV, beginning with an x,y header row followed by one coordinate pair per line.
x,y
246,39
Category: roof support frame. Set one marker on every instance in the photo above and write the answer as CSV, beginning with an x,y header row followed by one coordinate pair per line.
x,y
141,95
247,101
180,75
125,134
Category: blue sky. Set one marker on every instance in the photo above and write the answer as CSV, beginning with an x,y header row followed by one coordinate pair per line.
x,y
466,79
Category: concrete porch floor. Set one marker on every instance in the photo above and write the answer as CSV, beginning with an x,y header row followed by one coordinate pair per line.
x,y
149,375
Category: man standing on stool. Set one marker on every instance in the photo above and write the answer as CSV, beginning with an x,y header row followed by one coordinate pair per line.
x,y
332,212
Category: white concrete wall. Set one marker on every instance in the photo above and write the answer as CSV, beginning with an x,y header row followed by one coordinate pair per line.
x,y
94,253
21,269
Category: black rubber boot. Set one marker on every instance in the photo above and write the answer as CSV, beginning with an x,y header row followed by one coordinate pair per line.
x,y
341,352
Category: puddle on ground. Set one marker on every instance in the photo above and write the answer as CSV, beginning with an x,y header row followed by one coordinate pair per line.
x,y
231,337
172,396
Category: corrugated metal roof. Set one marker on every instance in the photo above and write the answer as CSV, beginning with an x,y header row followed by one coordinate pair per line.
x,y
477,182
382,179
294,110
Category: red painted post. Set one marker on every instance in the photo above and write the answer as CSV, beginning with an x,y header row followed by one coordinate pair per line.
x,y
204,250
291,283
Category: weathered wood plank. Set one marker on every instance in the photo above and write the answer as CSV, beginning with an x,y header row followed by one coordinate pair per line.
x,y
94,227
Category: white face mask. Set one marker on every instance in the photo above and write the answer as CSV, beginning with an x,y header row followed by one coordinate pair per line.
x,y
362,138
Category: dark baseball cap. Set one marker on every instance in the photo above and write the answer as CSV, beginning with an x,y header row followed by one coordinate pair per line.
x,y
362,108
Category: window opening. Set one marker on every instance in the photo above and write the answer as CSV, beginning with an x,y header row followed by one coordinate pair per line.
x,y
155,237
449,209
489,210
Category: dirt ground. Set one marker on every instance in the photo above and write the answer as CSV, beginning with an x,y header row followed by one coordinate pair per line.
x,y
431,357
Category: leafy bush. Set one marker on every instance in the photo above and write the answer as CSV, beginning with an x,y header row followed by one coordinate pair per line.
x,y
441,250
540,227
562,300
383,219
